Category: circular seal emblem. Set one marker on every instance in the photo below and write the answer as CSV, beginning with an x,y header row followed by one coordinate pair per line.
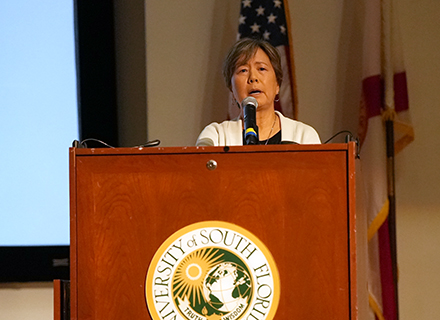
x,y
212,270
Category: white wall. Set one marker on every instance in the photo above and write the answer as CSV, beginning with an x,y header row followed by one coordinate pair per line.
x,y
418,223
186,42
26,301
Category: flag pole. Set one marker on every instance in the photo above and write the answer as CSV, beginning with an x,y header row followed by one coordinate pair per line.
x,y
389,125
389,114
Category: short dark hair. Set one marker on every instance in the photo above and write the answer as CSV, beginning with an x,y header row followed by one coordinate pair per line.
x,y
243,50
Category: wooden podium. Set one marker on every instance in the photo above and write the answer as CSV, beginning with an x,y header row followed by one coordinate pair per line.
x,y
298,200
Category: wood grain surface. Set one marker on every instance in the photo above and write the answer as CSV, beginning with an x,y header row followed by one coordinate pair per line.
x,y
294,199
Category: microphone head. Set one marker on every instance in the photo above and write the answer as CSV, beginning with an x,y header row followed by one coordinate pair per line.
x,y
249,100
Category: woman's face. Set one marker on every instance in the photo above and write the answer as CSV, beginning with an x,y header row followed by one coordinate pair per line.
x,y
256,78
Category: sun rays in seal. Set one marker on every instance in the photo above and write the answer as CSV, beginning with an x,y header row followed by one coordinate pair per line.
x,y
191,272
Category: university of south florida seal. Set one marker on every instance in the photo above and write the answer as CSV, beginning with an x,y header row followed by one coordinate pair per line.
x,y
212,270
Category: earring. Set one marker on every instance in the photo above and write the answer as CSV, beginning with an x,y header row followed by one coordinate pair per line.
x,y
234,101
277,98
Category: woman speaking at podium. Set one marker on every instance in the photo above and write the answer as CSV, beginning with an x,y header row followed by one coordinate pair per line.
x,y
252,72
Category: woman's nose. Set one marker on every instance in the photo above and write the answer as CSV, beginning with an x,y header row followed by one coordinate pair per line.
x,y
252,78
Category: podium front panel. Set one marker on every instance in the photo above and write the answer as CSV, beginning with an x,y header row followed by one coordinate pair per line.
x,y
298,200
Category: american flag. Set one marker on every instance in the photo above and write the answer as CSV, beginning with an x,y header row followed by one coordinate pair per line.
x,y
269,20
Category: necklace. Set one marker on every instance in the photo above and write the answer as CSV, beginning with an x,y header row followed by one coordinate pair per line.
x,y
273,126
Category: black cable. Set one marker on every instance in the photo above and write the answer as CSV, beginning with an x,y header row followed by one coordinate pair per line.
x,y
350,138
340,132
83,144
152,143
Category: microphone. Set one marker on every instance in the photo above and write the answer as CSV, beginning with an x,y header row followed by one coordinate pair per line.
x,y
250,132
